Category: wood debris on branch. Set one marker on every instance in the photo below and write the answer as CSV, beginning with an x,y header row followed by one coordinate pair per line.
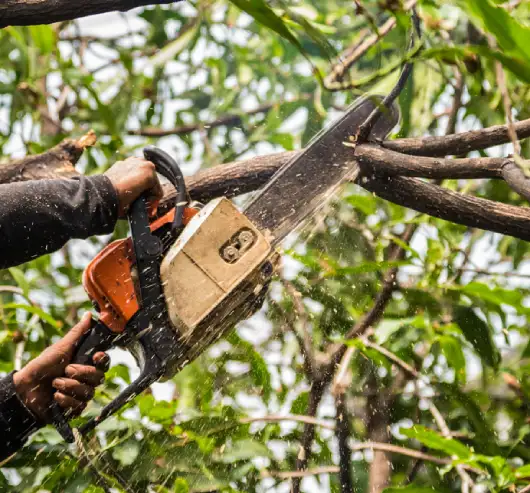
x,y
58,162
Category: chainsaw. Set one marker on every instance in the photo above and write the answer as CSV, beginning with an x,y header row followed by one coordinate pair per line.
x,y
181,281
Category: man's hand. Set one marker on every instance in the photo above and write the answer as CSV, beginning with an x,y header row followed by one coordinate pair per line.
x,y
131,178
50,376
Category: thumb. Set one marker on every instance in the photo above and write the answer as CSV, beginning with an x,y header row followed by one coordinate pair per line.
x,y
77,332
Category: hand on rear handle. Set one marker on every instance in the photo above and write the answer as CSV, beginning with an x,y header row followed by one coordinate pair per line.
x,y
50,376
131,178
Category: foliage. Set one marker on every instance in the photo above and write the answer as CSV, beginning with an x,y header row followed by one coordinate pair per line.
x,y
459,316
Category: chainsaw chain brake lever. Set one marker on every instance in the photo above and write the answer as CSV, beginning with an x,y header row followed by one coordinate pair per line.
x,y
150,327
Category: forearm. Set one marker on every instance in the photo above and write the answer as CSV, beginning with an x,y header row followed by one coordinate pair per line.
x,y
17,423
39,217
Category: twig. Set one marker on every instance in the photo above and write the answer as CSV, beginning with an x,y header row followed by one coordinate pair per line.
x,y
501,81
395,359
457,103
291,417
315,396
225,120
467,482
343,432
397,449
300,474
334,80
305,342
406,71
341,380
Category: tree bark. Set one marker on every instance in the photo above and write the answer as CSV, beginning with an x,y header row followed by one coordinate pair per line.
x,y
58,162
461,143
378,431
34,12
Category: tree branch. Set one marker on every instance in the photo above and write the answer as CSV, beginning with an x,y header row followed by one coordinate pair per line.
x,y
315,396
58,162
343,433
245,176
24,13
384,161
451,206
333,81
290,417
460,143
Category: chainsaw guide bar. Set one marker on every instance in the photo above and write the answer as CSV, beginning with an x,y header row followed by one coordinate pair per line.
x,y
305,183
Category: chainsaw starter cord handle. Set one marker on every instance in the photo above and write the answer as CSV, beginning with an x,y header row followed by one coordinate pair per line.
x,y
169,168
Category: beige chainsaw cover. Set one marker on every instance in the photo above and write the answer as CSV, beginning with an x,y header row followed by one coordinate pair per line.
x,y
218,251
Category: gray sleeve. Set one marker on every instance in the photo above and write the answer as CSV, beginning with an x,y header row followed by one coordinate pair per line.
x,y
40,216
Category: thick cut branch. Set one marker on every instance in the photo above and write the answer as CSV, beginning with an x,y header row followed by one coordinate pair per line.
x,y
34,12
444,204
245,176
385,161
58,162
461,143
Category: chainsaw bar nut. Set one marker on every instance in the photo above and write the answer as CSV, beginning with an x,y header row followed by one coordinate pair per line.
x,y
236,247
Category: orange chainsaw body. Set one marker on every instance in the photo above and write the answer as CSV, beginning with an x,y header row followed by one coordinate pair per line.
x,y
109,277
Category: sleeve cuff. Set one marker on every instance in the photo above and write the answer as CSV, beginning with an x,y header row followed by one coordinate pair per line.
x,y
19,422
109,196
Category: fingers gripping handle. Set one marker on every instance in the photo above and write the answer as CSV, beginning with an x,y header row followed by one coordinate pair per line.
x,y
98,338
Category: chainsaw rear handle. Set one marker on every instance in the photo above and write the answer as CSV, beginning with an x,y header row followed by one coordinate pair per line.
x,y
168,167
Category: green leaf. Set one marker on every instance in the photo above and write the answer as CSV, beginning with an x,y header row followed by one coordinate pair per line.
x,y
44,38
127,452
181,486
244,450
34,311
512,37
480,425
262,13
367,204
519,67
411,488
452,350
174,48
495,295
364,267
478,333
523,471
20,279
162,412
389,326
260,373
433,440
